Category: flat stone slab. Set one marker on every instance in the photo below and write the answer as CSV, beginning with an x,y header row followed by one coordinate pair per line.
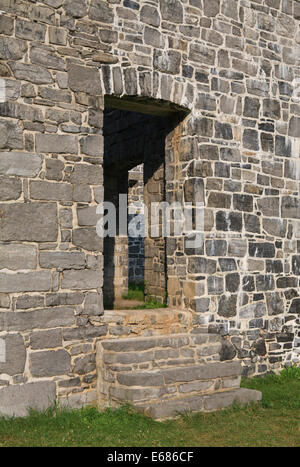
x,y
202,403
15,401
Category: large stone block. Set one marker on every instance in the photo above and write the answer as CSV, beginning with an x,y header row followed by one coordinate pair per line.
x,y
30,31
15,356
46,318
200,53
15,401
11,135
12,49
202,265
294,127
62,144
39,281
101,11
87,239
49,363
42,190
10,188
46,58
32,222
171,10
92,145
167,61
194,190
85,79
87,174
32,73
16,257
87,216
62,259
227,305
85,279
76,8
290,207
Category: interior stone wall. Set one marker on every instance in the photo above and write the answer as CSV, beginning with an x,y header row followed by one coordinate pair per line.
x,y
136,245
234,64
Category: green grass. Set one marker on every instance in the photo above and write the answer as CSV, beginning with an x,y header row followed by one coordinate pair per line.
x,y
273,422
137,292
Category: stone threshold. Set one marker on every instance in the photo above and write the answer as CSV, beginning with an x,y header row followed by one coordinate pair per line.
x,y
150,322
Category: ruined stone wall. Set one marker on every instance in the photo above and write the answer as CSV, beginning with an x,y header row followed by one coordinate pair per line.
x,y
234,64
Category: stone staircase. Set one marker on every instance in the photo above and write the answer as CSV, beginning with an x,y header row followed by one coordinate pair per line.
x,y
164,376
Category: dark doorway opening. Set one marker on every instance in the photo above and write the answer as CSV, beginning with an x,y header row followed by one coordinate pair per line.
x,y
135,166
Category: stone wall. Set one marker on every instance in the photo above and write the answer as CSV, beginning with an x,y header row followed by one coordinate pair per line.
x,y
234,65
136,245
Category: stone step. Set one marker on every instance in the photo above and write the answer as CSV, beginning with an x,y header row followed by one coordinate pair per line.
x,y
166,374
174,341
185,374
196,403
155,352
134,394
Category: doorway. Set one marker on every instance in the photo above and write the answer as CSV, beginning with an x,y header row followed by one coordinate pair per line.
x,y
134,178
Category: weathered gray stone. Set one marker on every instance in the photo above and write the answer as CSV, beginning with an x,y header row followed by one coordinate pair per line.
x,y
227,351
86,364
290,207
100,11
239,396
62,144
12,49
275,303
92,145
39,281
17,256
46,318
227,305
294,127
6,25
201,54
11,135
15,355
171,10
276,227
51,191
87,239
80,280
25,302
76,8
10,188
17,400
30,31
237,247
28,222
211,7
87,216
87,174
62,260
42,14
149,15
22,164
4,300
85,79
49,363
269,206
54,168
167,61
201,265
254,310
194,190
33,73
